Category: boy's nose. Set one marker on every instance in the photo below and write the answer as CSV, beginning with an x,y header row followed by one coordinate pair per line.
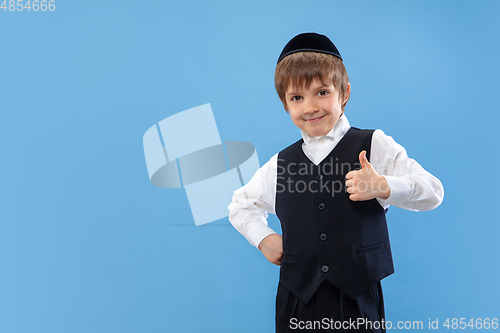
x,y
310,108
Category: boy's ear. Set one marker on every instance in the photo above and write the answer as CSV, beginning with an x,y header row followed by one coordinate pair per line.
x,y
347,94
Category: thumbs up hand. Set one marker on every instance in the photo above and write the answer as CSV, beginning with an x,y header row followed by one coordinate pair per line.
x,y
366,184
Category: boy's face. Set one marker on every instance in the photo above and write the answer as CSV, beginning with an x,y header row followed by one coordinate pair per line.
x,y
315,109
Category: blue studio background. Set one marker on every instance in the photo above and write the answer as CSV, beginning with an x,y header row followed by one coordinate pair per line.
x,y
86,241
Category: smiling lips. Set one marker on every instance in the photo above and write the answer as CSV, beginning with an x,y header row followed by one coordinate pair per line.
x,y
313,120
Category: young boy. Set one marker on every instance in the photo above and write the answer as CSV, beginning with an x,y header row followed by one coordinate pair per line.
x,y
330,190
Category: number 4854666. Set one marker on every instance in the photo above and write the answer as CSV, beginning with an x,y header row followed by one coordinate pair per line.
x,y
36,5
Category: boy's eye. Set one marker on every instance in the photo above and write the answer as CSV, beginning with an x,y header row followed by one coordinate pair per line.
x,y
323,92
296,98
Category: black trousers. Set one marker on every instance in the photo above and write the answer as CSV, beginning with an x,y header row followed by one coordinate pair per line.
x,y
330,310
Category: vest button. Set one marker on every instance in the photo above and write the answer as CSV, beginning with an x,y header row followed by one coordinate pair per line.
x,y
321,206
325,269
323,237
319,177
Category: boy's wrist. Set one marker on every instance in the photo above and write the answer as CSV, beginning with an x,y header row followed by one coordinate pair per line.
x,y
384,190
400,189
262,242
258,234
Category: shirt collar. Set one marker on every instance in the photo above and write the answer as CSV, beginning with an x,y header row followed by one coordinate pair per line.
x,y
336,133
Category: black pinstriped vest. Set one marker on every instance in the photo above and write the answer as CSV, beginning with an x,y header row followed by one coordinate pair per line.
x,y
325,234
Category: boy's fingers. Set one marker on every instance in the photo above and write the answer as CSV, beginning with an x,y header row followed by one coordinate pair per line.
x,y
277,261
349,175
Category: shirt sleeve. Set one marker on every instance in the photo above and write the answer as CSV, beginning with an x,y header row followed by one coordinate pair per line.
x,y
412,187
251,204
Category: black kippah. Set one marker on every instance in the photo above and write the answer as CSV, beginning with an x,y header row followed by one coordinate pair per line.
x,y
310,42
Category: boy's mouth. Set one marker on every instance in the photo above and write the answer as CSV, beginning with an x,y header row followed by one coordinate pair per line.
x,y
313,120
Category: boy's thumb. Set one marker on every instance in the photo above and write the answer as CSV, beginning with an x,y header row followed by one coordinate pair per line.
x,y
362,159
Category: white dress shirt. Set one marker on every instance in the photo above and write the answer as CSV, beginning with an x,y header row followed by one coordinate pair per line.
x,y
411,187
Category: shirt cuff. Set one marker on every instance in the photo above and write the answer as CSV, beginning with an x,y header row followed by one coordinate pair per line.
x,y
401,189
258,232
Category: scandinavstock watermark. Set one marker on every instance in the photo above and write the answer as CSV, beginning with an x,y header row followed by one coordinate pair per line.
x,y
208,169
327,177
365,324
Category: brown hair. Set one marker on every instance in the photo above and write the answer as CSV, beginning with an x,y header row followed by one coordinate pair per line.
x,y
301,68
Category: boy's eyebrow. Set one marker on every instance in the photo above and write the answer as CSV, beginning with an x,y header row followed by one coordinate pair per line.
x,y
293,92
